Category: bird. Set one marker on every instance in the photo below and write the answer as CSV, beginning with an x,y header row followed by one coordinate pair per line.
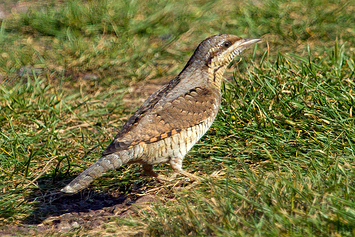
x,y
172,119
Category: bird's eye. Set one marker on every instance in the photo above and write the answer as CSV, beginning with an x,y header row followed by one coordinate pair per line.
x,y
227,44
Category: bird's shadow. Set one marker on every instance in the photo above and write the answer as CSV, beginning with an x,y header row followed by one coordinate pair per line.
x,y
54,210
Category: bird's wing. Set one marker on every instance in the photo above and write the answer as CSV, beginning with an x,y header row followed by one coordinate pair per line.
x,y
153,122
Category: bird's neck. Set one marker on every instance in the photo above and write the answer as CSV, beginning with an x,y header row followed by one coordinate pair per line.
x,y
215,75
198,74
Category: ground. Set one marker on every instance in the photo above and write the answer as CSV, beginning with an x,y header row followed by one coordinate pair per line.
x,y
277,161
91,212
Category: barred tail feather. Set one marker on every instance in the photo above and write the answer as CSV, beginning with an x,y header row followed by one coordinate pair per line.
x,y
105,163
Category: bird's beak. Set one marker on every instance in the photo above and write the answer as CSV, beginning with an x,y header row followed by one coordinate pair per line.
x,y
247,42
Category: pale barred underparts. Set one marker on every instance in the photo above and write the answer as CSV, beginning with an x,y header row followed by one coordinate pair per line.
x,y
172,119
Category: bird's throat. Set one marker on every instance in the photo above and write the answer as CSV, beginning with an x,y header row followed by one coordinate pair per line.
x,y
216,75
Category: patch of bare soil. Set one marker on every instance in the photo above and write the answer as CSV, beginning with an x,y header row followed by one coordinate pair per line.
x,y
10,7
89,212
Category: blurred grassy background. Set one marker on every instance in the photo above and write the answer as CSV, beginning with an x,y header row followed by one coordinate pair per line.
x,y
279,159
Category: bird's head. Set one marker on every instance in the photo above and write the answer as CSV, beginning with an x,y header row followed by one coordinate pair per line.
x,y
215,53
219,50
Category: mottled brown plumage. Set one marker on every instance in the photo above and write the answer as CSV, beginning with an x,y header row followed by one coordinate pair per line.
x,y
183,112
173,118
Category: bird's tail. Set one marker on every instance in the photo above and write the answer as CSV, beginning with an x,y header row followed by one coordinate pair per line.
x,y
105,163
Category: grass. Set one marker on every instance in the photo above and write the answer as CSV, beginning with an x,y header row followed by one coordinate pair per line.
x,y
278,160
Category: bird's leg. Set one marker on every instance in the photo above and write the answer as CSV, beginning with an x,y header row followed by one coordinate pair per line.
x,y
177,167
148,170
176,164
